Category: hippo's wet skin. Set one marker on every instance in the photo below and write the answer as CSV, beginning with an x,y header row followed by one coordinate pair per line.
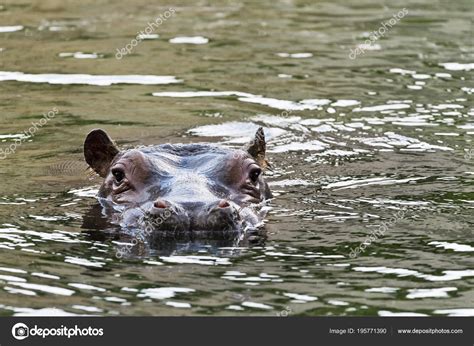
x,y
183,191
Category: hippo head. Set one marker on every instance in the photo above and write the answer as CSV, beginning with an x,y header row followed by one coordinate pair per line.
x,y
181,190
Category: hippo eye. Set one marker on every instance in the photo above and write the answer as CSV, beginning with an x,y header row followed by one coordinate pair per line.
x,y
254,174
118,174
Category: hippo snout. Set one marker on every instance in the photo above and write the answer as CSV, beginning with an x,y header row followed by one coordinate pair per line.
x,y
219,215
167,215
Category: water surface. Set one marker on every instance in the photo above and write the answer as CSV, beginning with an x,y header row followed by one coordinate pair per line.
x,y
353,143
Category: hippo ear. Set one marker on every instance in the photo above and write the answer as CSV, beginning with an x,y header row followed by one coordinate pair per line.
x,y
99,151
257,148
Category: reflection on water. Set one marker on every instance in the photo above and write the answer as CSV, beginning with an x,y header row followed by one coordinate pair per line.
x,y
351,142
85,78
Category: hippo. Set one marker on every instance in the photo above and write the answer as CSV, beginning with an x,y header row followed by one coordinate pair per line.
x,y
182,191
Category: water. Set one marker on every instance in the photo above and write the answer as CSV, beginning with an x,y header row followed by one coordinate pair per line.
x,y
378,145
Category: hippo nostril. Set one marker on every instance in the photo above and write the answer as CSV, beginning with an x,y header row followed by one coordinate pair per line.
x,y
223,203
159,203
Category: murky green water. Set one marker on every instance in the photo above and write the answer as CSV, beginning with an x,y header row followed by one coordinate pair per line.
x,y
382,139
